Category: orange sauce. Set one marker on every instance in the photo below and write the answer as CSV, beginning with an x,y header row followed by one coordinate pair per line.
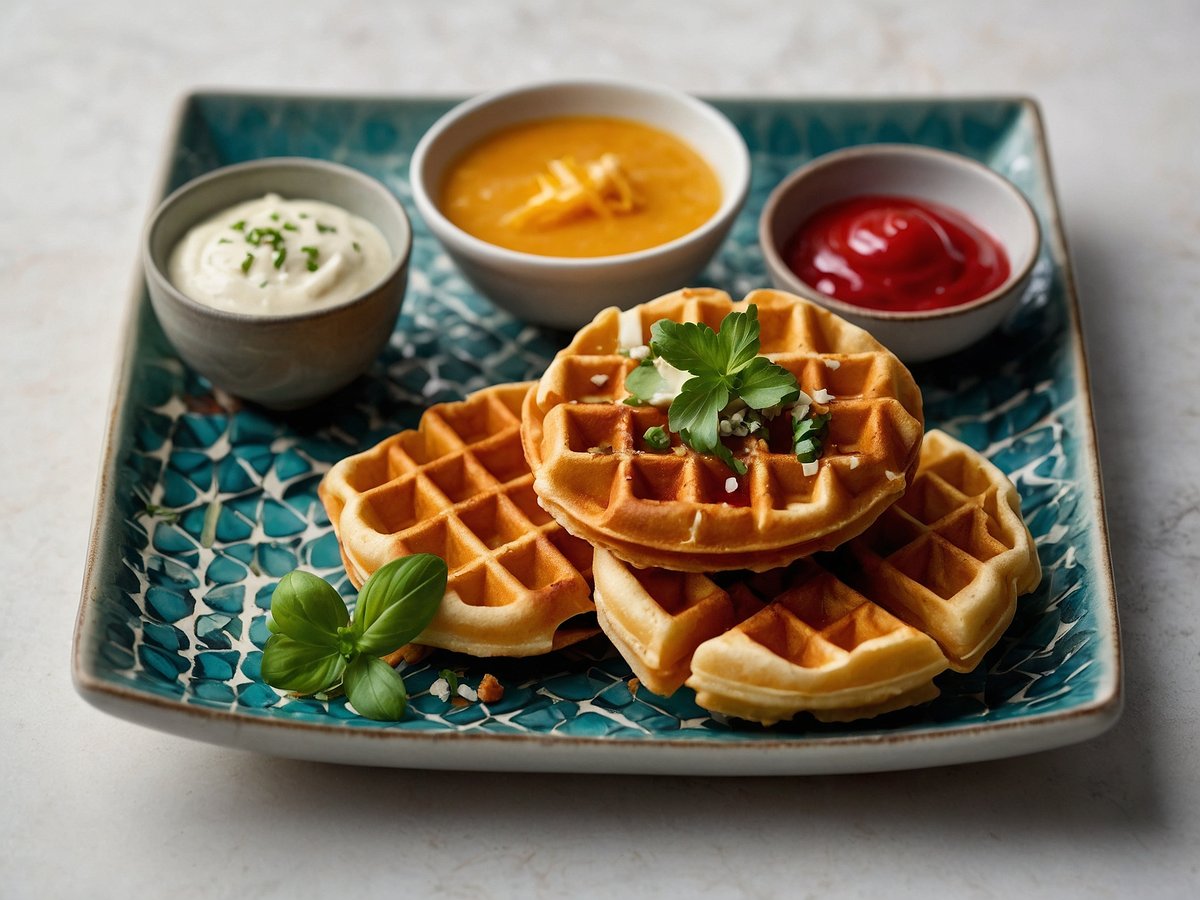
x,y
674,189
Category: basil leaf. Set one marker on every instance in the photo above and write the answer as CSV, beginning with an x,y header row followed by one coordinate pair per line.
x,y
645,381
765,384
697,408
397,602
308,609
375,689
290,665
739,336
690,346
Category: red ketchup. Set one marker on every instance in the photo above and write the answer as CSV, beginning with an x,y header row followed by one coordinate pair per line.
x,y
896,253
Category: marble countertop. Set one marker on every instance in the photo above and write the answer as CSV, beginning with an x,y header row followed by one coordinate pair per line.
x,y
94,806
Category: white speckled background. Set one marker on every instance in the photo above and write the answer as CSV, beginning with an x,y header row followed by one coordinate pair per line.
x,y
93,806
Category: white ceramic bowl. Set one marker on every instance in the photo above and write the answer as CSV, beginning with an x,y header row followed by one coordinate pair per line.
x,y
282,362
985,197
567,292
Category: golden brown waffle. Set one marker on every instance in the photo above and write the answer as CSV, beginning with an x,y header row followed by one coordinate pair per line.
x,y
458,486
953,554
932,584
674,510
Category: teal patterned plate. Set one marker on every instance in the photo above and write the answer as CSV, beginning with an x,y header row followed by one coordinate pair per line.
x,y
204,504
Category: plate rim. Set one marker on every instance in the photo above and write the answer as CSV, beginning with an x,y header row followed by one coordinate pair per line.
x,y
819,754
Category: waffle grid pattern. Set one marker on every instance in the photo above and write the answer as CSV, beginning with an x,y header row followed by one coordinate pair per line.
x,y
932,584
676,509
952,544
458,487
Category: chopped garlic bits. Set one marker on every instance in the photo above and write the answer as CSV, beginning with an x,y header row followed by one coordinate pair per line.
x,y
629,332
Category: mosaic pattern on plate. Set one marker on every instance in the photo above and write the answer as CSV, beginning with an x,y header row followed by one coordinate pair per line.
x,y
219,501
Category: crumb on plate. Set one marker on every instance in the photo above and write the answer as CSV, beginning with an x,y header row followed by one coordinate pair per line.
x,y
490,689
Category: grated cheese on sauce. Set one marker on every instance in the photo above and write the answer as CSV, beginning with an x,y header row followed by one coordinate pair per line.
x,y
570,190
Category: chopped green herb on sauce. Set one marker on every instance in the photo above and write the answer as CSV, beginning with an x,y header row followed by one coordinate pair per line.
x,y
312,253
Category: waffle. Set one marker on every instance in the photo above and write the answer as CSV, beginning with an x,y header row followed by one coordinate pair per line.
x,y
673,509
931,585
458,486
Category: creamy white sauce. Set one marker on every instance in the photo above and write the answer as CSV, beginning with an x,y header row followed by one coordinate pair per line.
x,y
276,257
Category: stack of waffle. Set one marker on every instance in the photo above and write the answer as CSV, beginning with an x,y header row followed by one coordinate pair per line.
x,y
840,589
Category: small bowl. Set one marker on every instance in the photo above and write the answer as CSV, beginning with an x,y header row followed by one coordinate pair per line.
x,y
288,361
985,197
567,292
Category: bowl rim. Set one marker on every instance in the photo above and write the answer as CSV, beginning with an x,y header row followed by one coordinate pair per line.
x,y
203,182
777,266
439,224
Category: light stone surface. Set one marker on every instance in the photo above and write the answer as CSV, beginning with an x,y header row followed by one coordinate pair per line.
x,y
92,806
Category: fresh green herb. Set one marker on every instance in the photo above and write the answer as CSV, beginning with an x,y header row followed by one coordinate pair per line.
x,y
259,236
263,283
312,253
290,226
280,257
645,381
304,215
274,217
808,437
247,263
224,241
315,644
239,225
357,248
451,680
656,438
724,366
322,228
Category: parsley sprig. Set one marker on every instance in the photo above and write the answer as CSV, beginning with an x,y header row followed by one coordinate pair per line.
x,y
315,645
725,368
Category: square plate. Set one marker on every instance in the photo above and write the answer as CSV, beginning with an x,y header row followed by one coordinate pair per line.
x,y
203,505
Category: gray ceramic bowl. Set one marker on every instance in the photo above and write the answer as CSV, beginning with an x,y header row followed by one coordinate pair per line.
x,y
567,292
289,361
912,171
